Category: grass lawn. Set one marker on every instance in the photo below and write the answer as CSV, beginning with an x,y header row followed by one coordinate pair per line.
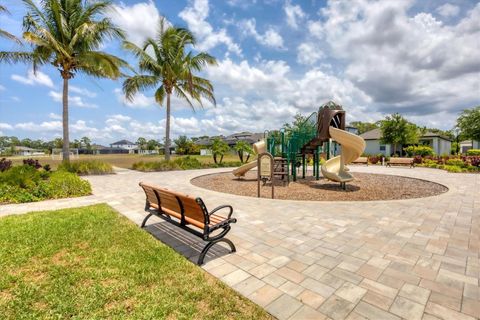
x,y
93,263
119,160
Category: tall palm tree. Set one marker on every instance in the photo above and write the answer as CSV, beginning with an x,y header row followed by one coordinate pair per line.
x,y
68,34
5,34
169,68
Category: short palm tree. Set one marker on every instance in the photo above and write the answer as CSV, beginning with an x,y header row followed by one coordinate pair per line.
x,y
5,34
169,68
68,34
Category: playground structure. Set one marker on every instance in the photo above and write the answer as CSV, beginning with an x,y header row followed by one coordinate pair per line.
x,y
291,148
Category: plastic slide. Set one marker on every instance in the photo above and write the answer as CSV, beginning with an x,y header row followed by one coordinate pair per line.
x,y
352,147
258,147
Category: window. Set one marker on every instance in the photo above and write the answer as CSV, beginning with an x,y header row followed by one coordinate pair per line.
x,y
382,148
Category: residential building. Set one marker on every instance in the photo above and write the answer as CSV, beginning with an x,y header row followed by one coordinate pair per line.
x,y
124,144
469,144
26,151
439,143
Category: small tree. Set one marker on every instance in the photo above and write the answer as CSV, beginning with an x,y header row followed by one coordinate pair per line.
x,y
469,123
141,143
86,143
183,145
243,148
364,126
219,148
397,130
152,144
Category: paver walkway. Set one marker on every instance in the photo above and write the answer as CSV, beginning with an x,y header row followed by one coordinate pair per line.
x,y
412,259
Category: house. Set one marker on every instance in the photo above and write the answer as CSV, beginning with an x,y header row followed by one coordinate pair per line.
x,y
231,140
469,144
124,144
26,151
439,143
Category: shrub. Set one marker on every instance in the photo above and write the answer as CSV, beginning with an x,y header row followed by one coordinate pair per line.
x,y
417,159
452,168
473,152
87,167
32,162
188,162
26,184
5,164
65,184
155,166
455,162
474,161
419,151
374,159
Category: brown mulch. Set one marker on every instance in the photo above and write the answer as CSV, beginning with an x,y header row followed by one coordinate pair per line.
x,y
365,187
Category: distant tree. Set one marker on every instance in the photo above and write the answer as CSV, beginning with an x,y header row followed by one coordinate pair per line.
x,y
26,142
86,143
152,144
219,148
141,143
169,67
69,35
364,126
243,148
75,144
185,146
58,143
469,123
397,130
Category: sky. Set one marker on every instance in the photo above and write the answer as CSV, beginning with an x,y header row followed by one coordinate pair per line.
x,y
275,58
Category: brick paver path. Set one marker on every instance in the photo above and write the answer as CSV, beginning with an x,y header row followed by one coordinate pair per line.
x,y
412,259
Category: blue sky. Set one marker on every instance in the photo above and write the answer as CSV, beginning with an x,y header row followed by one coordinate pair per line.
x,y
276,58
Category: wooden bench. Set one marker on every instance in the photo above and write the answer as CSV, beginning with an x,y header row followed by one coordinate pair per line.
x,y
361,160
190,214
400,161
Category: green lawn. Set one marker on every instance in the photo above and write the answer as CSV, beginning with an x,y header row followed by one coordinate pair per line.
x,y
93,263
119,160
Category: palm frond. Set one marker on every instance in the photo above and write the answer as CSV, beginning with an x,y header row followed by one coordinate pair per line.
x,y
137,83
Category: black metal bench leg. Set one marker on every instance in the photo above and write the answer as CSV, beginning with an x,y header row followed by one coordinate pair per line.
x,y
145,220
210,244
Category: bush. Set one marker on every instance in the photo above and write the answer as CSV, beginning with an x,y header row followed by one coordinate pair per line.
x,y
32,162
452,168
419,151
155,166
65,184
374,159
183,163
5,164
473,152
26,184
87,167
455,162
188,162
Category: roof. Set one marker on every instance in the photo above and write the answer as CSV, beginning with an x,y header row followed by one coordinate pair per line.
x,y
376,134
232,139
123,142
22,148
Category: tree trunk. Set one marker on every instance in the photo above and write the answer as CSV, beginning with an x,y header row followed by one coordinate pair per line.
x,y
240,155
66,140
167,130
221,158
215,157
394,149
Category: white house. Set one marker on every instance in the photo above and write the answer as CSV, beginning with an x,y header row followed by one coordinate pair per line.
x,y
124,144
440,144
469,144
26,151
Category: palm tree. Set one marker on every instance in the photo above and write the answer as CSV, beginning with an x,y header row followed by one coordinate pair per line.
x,y
170,70
68,34
5,34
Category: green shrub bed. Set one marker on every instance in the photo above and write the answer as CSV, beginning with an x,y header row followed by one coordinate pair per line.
x,y
184,163
32,182
452,164
87,167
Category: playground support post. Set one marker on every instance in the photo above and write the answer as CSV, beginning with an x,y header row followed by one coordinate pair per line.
x,y
303,166
317,163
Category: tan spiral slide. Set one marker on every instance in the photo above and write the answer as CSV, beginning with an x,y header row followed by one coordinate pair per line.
x,y
352,147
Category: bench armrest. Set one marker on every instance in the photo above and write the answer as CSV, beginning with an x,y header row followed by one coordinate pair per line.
x,y
223,207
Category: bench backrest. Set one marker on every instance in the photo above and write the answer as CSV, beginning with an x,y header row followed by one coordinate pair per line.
x,y
401,160
361,160
188,209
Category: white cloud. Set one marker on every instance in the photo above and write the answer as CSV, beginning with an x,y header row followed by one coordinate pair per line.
x,y
270,38
309,53
82,91
32,79
448,10
75,101
412,65
294,14
2,88
5,126
140,101
54,116
195,15
40,127
139,21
